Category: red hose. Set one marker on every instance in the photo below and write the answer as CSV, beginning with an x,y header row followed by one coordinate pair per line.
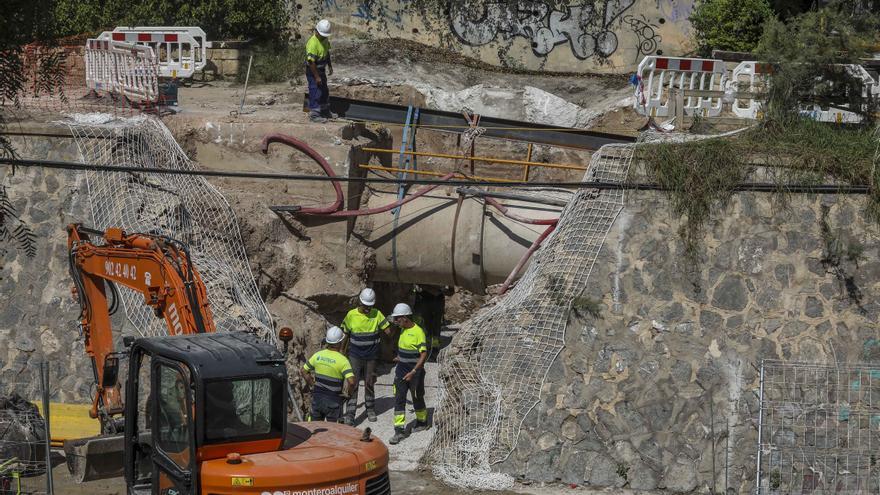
x,y
314,155
513,216
391,206
525,257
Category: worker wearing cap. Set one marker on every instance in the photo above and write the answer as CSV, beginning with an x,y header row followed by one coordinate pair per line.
x,y
331,371
318,66
412,352
362,324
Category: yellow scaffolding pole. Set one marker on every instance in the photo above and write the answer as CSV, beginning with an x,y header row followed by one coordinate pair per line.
x,y
435,174
503,161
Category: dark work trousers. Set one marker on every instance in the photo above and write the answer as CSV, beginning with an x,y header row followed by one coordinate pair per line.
x,y
319,94
326,408
416,388
363,369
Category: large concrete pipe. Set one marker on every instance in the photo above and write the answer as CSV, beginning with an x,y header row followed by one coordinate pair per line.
x,y
438,241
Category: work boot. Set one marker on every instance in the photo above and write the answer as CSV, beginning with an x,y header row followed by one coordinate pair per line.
x,y
396,439
371,415
328,114
420,426
317,118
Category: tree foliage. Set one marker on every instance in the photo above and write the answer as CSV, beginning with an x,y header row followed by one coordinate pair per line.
x,y
263,20
734,25
807,54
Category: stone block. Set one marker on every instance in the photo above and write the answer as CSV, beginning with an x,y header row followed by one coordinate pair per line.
x,y
680,477
730,294
710,321
642,477
784,274
813,307
602,471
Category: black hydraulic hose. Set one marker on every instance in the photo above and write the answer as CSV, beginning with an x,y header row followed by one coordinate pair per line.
x,y
189,282
114,306
599,185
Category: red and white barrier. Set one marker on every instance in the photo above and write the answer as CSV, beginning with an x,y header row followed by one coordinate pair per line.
x,y
751,77
122,68
181,51
841,115
658,75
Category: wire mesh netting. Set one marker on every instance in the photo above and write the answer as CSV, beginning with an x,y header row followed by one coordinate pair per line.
x,y
186,208
23,454
492,375
819,429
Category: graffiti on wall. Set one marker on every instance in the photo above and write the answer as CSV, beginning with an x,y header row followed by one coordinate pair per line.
x,y
586,28
646,34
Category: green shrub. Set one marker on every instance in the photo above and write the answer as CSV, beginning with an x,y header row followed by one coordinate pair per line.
x,y
729,24
804,52
262,20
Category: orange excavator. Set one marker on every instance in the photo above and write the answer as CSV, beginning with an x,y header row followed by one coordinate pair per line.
x,y
203,412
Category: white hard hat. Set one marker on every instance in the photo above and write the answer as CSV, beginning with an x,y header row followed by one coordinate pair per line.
x,y
334,335
368,297
401,309
323,28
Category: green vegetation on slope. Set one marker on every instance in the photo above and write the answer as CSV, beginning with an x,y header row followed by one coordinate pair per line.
x,y
701,176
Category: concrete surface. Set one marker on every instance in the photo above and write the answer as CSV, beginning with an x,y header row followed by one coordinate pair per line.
x,y
405,456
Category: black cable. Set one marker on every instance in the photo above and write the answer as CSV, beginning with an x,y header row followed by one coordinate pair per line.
x,y
114,305
188,281
629,186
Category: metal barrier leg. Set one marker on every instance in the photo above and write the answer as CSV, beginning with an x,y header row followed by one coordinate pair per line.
x,y
44,386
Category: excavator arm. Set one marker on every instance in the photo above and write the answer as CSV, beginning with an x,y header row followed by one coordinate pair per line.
x,y
157,267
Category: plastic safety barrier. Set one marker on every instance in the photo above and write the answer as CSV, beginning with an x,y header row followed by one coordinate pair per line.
x,y
751,77
198,34
833,114
178,53
658,75
122,68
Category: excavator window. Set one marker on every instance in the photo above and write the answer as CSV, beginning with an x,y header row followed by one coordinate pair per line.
x,y
174,423
143,446
243,409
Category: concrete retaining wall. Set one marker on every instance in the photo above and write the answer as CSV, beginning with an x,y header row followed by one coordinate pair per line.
x,y
608,36
627,401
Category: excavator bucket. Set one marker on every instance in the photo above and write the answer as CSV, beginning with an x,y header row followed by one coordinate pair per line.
x,y
95,458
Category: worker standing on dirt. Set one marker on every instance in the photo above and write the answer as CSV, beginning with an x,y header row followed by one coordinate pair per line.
x,y
412,352
331,371
318,67
362,324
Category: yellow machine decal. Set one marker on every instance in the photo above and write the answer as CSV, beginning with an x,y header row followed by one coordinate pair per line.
x,y
370,465
241,481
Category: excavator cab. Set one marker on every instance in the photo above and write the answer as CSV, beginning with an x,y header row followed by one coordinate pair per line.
x,y
198,398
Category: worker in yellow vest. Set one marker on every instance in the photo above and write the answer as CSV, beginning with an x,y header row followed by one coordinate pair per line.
x,y
412,352
332,372
318,67
362,325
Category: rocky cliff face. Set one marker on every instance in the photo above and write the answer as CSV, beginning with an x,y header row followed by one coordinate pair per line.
x,y
660,391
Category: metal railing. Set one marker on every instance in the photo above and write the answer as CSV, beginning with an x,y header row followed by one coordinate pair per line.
x,y
818,428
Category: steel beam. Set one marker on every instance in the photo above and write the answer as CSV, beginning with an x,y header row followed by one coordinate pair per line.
x,y
455,122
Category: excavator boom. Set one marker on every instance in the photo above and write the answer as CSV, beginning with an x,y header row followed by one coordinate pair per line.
x,y
161,270
157,267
